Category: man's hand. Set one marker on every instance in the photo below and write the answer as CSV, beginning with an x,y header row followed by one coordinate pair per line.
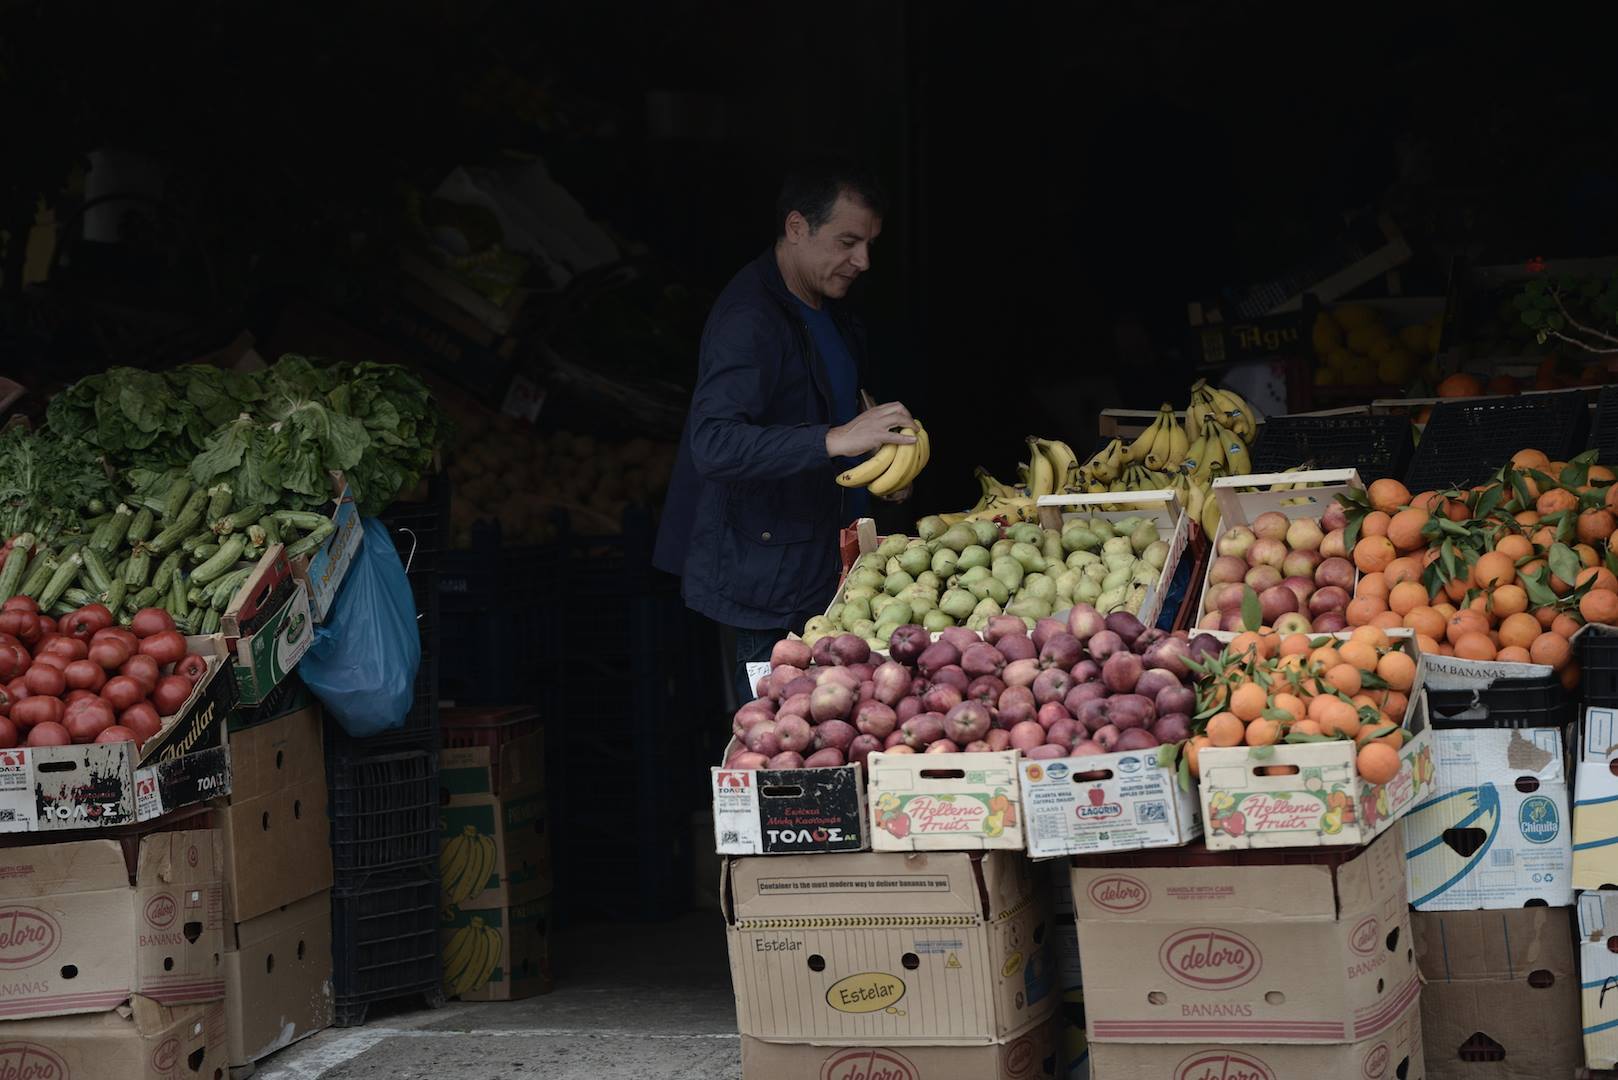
x,y
869,430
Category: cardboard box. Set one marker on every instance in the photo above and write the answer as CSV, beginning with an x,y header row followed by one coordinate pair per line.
x,y
1501,986
499,953
1494,831
788,811
322,571
1239,506
1161,507
1393,1052
1026,1056
969,802
277,846
1595,802
100,785
83,933
495,849
268,626
887,950
1108,802
138,1041
1323,803
278,986
1183,946
1598,970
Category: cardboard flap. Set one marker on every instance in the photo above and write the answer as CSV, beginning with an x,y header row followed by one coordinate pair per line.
x,y
276,754
179,858
58,869
271,924
1469,946
855,884
1373,875
1010,881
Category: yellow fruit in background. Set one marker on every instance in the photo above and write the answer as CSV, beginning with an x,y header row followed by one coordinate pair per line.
x,y
1382,347
1360,371
1396,367
1339,358
1361,338
1354,316
1325,376
1326,335
1414,338
1433,333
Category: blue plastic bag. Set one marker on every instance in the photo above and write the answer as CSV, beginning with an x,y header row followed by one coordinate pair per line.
x,y
362,664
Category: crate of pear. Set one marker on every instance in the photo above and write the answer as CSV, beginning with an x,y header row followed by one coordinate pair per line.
x,y
1147,518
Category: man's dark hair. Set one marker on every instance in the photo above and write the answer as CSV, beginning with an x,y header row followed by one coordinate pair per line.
x,y
812,191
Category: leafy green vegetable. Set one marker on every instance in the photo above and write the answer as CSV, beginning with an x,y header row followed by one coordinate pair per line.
x,y
46,482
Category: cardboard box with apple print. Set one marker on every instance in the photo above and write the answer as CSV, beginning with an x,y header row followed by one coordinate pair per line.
x,y
1107,802
929,802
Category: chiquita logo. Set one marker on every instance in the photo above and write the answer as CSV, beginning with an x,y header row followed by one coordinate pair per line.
x,y
1120,893
1210,959
160,911
1364,936
868,1064
27,936
166,1054
1538,820
869,991
1223,1065
30,1061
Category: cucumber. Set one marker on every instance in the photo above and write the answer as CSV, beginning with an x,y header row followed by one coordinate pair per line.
x,y
146,598
312,541
226,588
166,570
219,498
302,520
202,553
33,583
222,560
66,571
114,597
253,553
11,576
272,530
77,598
238,519
210,622
96,506
174,499
96,570
185,523
179,603
196,540
141,527
140,568
110,535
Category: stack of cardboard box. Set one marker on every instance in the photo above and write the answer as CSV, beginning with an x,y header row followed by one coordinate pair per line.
x,y
495,857
1490,872
1595,874
277,881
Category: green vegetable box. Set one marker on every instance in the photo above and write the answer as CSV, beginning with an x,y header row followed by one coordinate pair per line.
x,y
268,625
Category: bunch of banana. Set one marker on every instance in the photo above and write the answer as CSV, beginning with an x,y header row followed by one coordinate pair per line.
x,y
1052,466
464,865
997,500
1163,445
470,956
1105,467
891,467
1218,451
1227,408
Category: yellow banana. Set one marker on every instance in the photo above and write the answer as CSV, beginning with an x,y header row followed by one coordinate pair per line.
x,y
1195,493
1236,455
1249,420
1041,473
1137,450
1063,460
872,467
1199,408
1179,443
1210,516
925,453
899,472
1158,447
1195,455
991,486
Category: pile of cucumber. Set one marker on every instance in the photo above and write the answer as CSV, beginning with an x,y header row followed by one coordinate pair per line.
x,y
173,546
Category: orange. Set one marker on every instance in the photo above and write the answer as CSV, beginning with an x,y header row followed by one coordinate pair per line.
x,y
1372,636
1193,747
1387,620
1344,677
1375,523
1603,577
1307,727
1513,654
1405,568
1336,717
1460,385
1245,642
1445,609
1519,630
1599,606
1565,625
1551,648
1388,495
1427,643
1526,518
1456,510
1405,528
1359,655
1465,622
1373,585
1531,459
1545,616
1247,701
1424,620
1544,536
1587,554
1295,645
1610,500
1362,610
1397,670
1556,500
1570,676
1601,475
1508,600
1474,646
1225,729
1494,568
1290,704
1326,656
1395,703
1514,546
1406,597
1263,732
1595,526
1456,589
1377,763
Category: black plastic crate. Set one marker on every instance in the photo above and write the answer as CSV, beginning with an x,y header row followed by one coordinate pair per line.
x,y
500,611
385,943
1377,446
1598,662
1468,441
420,529
384,811
1604,428
1508,703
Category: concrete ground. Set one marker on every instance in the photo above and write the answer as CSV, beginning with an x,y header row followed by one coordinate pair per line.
x,y
631,1001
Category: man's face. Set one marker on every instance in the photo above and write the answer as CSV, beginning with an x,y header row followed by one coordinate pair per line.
x,y
832,256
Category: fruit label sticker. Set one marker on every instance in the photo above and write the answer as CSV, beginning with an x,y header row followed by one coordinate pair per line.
x,y
962,802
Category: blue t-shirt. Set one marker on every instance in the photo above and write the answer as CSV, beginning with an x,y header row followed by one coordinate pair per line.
x,y
845,383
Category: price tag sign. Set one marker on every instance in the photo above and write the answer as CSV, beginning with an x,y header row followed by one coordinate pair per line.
x,y
756,671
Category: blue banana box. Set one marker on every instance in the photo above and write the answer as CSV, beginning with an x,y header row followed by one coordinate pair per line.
x,y
1494,831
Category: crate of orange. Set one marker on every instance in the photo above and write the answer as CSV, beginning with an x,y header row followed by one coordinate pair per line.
x,y
1494,580
1308,741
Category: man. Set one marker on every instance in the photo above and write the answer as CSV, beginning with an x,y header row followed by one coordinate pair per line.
x,y
753,510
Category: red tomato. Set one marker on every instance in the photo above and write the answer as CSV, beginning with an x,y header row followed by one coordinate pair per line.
x,y
14,660
8,734
142,719
110,654
45,679
86,621
21,603
123,692
50,659
121,633
166,647
87,718
193,667
47,625
116,733
70,647
23,625
151,620
48,733
85,675
144,670
171,693
37,710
